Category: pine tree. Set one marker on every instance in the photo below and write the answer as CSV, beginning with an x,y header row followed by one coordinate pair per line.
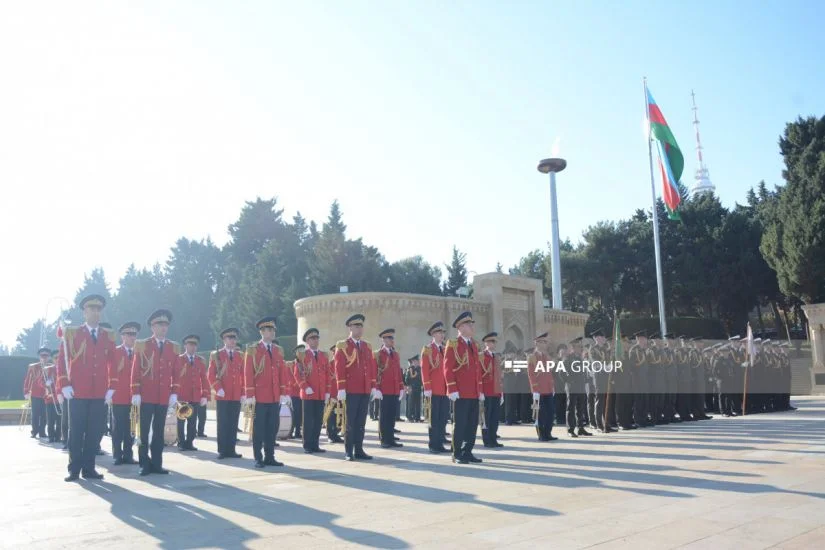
x,y
456,273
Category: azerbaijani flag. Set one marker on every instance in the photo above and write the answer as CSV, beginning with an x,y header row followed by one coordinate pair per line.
x,y
671,161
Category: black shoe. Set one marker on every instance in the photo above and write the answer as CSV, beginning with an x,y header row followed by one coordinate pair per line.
x,y
182,448
396,430
272,462
92,475
259,464
277,444
33,436
71,477
308,451
572,433
582,431
336,440
436,451
460,460
349,458
234,455
118,462
474,459
362,456
160,471
129,460
191,448
202,436
319,450
145,471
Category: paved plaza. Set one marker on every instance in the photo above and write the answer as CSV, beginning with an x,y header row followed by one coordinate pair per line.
x,y
743,483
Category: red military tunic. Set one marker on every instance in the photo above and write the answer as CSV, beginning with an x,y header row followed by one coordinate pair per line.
x,y
33,383
542,381
192,382
154,373
462,368
265,376
432,369
88,366
313,372
120,376
490,375
354,367
389,367
226,375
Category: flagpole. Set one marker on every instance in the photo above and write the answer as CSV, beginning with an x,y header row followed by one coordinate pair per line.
x,y
659,286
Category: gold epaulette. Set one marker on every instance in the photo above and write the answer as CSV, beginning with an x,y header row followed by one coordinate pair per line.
x,y
140,345
451,342
213,354
251,346
341,344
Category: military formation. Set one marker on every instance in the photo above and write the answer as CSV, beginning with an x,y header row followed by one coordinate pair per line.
x,y
135,385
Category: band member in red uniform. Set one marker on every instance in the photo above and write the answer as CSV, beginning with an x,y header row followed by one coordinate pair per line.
x,y
82,371
435,388
542,384
193,388
265,374
491,382
312,377
390,381
462,370
50,401
119,395
226,378
34,389
154,389
355,370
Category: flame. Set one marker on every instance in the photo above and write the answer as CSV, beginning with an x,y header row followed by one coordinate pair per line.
x,y
554,152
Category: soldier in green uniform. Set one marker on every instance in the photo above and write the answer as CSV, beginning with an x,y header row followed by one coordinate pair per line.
x,y
639,364
412,380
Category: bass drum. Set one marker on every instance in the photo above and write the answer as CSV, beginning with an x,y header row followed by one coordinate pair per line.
x,y
285,427
170,429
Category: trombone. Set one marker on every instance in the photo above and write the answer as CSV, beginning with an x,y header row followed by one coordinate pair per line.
x,y
249,419
536,408
341,417
428,410
134,424
48,383
24,416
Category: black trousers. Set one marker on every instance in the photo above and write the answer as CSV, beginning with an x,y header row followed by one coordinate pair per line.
x,y
491,418
297,416
84,433
526,408
600,404
313,414
52,423
357,404
576,407
511,407
228,414
201,420
560,404
414,405
150,453
122,440
38,416
547,412
265,427
439,413
465,427
332,425
387,418
374,408
187,429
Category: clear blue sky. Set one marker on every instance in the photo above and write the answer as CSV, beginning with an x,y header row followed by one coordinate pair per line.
x,y
425,119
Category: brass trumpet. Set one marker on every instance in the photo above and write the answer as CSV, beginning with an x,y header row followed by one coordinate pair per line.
x,y
249,419
24,416
328,408
134,423
341,417
183,410
428,410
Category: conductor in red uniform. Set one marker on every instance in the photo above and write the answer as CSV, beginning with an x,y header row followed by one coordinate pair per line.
x,y
226,378
82,370
193,388
491,383
312,376
119,396
462,370
542,385
390,381
435,387
154,389
355,371
34,391
265,375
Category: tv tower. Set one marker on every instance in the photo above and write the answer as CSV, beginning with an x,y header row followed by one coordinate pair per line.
x,y
701,183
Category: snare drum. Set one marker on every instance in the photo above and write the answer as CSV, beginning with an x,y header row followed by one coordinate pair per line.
x,y
285,427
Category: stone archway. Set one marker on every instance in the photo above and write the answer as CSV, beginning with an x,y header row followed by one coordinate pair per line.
x,y
514,337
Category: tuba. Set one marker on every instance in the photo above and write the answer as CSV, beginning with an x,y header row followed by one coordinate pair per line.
x,y
183,410
341,417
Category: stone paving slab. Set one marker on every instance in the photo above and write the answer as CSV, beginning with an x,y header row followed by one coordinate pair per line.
x,y
752,482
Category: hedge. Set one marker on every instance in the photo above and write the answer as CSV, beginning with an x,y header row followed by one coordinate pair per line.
x,y
692,327
12,373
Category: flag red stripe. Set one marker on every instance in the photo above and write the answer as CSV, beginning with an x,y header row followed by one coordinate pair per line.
x,y
656,116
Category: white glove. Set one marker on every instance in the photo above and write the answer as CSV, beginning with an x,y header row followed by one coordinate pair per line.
x,y
454,396
481,397
342,395
136,400
428,393
250,401
376,394
309,391
243,401
536,396
326,398
285,400
401,395
68,392
501,402
173,399
60,398
108,398
203,401
28,396
221,393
